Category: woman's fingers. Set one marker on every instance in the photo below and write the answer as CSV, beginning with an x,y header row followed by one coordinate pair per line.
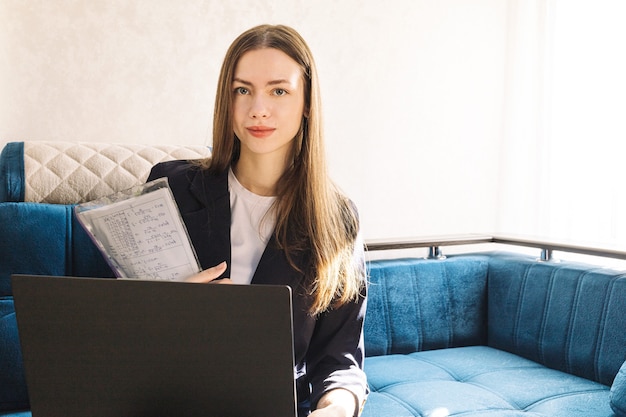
x,y
223,281
209,274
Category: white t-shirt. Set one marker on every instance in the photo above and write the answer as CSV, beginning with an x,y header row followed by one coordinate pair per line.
x,y
250,229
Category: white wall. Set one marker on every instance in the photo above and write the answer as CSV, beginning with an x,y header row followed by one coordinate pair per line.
x,y
413,90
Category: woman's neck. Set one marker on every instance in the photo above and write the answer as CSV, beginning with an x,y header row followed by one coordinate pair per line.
x,y
259,175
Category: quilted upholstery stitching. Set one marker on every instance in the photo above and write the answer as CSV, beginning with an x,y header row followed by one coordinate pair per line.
x,y
545,315
417,304
513,405
562,395
383,310
402,403
518,307
435,364
569,343
42,172
75,172
386,313
498,370
456,377
449,324
600,330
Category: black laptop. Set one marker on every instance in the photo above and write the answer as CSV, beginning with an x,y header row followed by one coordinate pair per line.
x,y
126,348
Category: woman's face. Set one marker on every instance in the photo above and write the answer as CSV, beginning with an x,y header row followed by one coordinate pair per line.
x,y
268,103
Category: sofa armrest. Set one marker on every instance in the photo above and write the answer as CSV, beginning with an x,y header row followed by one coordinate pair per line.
x,y
12,172
418,304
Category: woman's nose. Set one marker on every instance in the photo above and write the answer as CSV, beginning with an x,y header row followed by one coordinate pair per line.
x,y
259,108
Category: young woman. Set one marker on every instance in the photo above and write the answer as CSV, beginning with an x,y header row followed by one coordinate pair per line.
x,y
263,210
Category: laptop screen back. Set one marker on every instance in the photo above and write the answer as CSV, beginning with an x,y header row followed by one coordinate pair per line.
x,y
126,348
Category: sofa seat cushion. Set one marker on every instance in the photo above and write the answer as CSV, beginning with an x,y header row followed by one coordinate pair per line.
x,y
477,381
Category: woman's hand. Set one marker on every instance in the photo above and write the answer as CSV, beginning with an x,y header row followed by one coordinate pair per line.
x,y
210,275
330,411
336,403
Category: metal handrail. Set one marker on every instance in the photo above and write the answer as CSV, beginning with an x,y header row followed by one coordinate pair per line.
x,y
547,247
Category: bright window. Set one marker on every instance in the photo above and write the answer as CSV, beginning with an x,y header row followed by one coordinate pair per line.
x,y
564,157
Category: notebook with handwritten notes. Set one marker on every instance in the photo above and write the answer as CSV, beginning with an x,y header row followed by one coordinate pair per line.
x,y
140,233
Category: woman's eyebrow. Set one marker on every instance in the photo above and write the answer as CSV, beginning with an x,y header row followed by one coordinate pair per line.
x,y
276,82
273,82
244,82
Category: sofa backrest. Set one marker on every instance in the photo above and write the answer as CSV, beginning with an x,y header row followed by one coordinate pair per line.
x,y
419,304
565,315
39,234
41,239
59,172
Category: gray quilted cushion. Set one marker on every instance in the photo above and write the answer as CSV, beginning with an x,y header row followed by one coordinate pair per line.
x,y
76,172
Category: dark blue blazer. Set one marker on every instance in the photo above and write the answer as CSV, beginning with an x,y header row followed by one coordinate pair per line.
x,y
328,348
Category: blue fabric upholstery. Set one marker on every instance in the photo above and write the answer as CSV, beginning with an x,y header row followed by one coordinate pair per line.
x,y
565,315
13,394
618,392
425,305
45,239
477,381
493,334
34,240
490,334
39,239
12,182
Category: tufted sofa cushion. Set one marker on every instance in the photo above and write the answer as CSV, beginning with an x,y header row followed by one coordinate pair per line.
x,y
76,172
618,392
554,338
477,381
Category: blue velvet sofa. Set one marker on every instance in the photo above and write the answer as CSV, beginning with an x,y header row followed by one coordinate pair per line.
x,y
495,334
487,334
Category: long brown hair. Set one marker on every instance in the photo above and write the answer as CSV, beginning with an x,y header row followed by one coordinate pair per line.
x,y
311,213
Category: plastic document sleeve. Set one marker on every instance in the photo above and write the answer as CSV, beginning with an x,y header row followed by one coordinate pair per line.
x,y
140,233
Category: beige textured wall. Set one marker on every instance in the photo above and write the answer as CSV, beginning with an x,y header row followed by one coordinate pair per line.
x,y
128,71
412,89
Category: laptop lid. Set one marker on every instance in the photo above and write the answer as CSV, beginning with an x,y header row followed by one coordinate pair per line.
x,y
126,348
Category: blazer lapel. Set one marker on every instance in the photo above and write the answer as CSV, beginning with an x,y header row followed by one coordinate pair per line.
x,y
274,268
209,227
209,230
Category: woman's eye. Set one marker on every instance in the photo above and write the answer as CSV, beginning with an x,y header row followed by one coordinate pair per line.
x,y
280,92
241,91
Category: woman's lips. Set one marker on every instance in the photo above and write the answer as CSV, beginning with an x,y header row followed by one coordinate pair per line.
x,y
260,131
